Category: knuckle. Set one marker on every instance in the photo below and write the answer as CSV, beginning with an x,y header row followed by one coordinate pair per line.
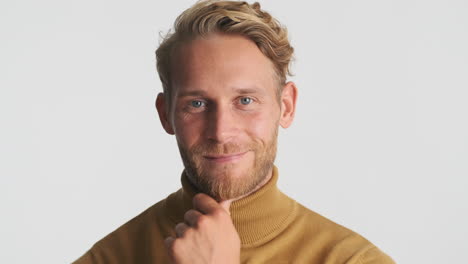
x,y
169,243
199,195
188,232
219,214
191,218
179,230
176,245
198,198
189,214
180,226
203,221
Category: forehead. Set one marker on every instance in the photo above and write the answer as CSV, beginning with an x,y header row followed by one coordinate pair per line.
x,y
221,60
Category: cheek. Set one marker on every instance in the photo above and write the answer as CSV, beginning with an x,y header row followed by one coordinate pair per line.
x,y
187,131
261,125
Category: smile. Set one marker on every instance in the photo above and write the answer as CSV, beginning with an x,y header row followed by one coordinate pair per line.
x,y
225,158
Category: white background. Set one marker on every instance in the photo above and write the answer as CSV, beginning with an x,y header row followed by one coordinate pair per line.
x,y
379,143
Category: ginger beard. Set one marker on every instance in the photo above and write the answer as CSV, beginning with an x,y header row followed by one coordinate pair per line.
x,y
219,183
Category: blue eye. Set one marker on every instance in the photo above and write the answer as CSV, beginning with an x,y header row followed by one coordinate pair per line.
x,y
245,100
197,103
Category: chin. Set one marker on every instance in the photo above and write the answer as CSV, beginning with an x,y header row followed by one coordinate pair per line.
x,y
226,179
228,172
227,183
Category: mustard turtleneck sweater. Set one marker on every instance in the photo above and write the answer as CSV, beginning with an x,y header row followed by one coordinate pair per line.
x,y
272,227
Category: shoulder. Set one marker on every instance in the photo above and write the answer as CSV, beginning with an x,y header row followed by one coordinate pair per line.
x,y
374,255
143,222
336,243
131,239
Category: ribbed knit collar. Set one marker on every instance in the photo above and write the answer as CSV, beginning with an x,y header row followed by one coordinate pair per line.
x,y
258,218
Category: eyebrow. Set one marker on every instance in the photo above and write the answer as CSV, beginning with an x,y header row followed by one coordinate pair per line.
x,y
238,90
251,90
192,93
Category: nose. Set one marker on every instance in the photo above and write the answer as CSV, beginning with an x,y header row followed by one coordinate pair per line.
x,y
222,124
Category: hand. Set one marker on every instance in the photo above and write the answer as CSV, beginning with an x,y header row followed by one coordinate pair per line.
x,y
207,235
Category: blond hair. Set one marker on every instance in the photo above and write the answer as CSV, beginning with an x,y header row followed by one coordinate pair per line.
x,y
230,17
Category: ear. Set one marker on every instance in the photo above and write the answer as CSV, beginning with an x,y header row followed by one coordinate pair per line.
x,y
161,106
288,104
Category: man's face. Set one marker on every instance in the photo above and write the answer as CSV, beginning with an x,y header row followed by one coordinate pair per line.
x,y
225,113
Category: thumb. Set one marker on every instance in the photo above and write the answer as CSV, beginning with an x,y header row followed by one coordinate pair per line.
x,y
226,205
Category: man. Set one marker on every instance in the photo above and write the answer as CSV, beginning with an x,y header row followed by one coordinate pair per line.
x,y
223,72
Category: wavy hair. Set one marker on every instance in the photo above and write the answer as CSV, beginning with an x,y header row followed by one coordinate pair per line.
x,y
229,17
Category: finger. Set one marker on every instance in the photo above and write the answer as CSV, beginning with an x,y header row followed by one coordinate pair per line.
x,y
191,217
180,229
168,242
205,204
226,205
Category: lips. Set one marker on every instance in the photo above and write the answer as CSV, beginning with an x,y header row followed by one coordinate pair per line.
x,y
225,157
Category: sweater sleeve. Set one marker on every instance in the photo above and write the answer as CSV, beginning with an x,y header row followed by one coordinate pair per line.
x,y
87,258
98,255
375,256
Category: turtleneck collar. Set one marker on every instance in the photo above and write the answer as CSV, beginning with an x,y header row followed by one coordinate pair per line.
x,y
258,218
